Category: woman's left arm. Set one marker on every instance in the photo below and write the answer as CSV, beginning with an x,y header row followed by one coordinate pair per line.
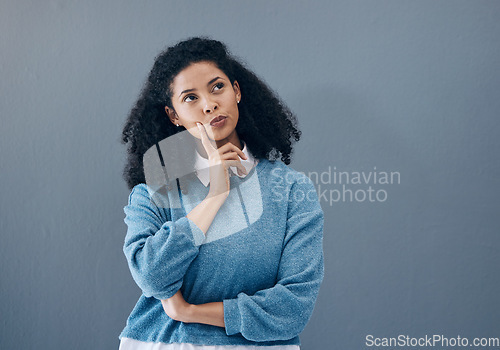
x,y
180,310
282,311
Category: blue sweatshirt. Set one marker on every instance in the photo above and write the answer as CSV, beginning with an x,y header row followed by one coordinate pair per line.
x,y
262,257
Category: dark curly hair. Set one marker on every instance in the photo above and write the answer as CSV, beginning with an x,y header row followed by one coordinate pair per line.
x,y
266,124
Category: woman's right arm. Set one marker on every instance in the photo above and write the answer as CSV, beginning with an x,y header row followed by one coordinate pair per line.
x,y
219,161
158,252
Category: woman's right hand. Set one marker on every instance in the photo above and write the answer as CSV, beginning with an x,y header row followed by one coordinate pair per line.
x,y
220,159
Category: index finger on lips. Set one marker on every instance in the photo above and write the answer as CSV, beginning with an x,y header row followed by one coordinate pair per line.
x,y
204,138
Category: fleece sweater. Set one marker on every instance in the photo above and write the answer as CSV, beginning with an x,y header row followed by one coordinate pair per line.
x,y
262,257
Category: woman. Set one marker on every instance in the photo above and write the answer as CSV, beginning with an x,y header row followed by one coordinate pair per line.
x,y
231,256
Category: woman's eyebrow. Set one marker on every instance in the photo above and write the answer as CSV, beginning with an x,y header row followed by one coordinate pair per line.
x,y
210,82
188,90
214,79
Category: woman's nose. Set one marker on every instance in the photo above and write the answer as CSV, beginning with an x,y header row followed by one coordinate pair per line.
x,y
210,107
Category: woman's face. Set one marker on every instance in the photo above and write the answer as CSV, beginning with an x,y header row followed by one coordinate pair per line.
x,y
203,93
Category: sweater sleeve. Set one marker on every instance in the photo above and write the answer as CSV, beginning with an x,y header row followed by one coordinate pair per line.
x,y
158,251
282,311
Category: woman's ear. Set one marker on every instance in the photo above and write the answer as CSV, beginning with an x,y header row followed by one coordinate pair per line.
x,y
172,116
237,91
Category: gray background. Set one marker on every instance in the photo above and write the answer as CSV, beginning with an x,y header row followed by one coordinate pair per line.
x,y
407,86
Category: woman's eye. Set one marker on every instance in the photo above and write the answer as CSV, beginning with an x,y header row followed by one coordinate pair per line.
x,y
189,98
218,86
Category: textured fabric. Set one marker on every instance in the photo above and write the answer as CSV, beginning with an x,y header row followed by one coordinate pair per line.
x,y
262,257
132,344
203,171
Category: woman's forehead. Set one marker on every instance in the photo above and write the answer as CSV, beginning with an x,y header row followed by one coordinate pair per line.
x,y
196,75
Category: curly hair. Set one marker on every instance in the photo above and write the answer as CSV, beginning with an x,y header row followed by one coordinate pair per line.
x,y
266,124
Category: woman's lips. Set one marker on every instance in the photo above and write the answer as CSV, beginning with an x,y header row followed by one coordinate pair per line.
x,y
219,121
